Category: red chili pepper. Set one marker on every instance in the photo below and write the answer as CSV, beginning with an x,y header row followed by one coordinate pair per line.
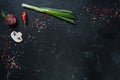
x,y
24,17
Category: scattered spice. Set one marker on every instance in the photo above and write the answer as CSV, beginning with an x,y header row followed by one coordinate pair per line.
x,y
9,56
39,24
104,14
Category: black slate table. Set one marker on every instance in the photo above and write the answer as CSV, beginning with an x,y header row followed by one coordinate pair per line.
x,y
53,49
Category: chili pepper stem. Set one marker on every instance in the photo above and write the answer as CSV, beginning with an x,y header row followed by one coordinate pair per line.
x,y
25,22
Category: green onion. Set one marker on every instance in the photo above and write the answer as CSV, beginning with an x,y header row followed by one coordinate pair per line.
x,y
63,14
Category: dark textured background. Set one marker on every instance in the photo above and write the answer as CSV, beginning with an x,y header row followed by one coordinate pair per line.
x,y
57,50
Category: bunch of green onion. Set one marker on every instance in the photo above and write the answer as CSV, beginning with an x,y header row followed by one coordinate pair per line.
x,y
63,14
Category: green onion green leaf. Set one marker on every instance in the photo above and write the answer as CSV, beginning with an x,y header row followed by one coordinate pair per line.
x,y
63,14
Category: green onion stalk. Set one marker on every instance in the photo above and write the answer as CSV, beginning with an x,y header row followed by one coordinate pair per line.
x,y
63,14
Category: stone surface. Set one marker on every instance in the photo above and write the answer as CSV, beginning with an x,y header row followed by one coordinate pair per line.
x,y
53,49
